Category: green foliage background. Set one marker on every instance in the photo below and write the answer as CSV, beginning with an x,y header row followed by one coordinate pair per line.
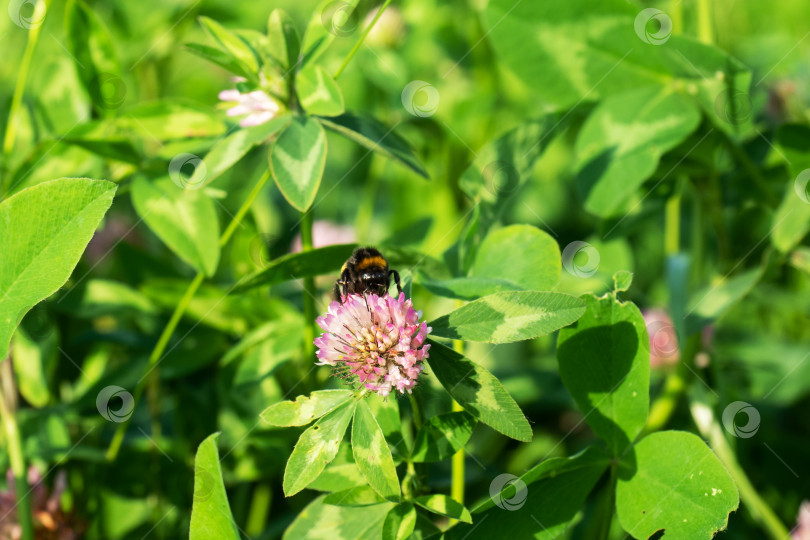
x,y
113,92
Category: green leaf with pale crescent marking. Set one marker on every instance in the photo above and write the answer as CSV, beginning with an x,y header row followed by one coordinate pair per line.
x,y
510,316
371,453
354,496
184,219
44,230
672,481
791,222
444,506
605,364
231,149
442,436
318,92
479,392
371,134
319,521
316,448
211,517
297,159
622,141
400,522
241,52
305,409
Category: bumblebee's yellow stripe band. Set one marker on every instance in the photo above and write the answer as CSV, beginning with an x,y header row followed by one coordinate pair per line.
x,y
371,261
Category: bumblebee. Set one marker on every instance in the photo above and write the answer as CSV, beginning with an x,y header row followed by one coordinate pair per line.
x,y
366,271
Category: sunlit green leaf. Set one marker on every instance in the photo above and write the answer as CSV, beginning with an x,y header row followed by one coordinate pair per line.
x,y
371,134
320,521
318,92
371,453
442,436
521,254
479,392
305,409
510,316
297,159
211,517
316,448
44,229
400,522
444,506
605,364
185,219
231,149
622,141
671,480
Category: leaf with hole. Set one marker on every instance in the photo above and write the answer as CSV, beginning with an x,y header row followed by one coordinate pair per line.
x,y
672,481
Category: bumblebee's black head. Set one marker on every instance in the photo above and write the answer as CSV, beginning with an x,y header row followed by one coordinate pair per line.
x,y
366,271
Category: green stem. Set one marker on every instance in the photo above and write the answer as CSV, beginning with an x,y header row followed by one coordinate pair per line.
x,y
259,507
16,455
707,424
362,38
309,291
705,25
457,463
40,9
174,320
608,509
676,14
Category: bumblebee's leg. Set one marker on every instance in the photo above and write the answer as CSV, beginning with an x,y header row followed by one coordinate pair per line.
x,y
337,291
395,275
345,278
